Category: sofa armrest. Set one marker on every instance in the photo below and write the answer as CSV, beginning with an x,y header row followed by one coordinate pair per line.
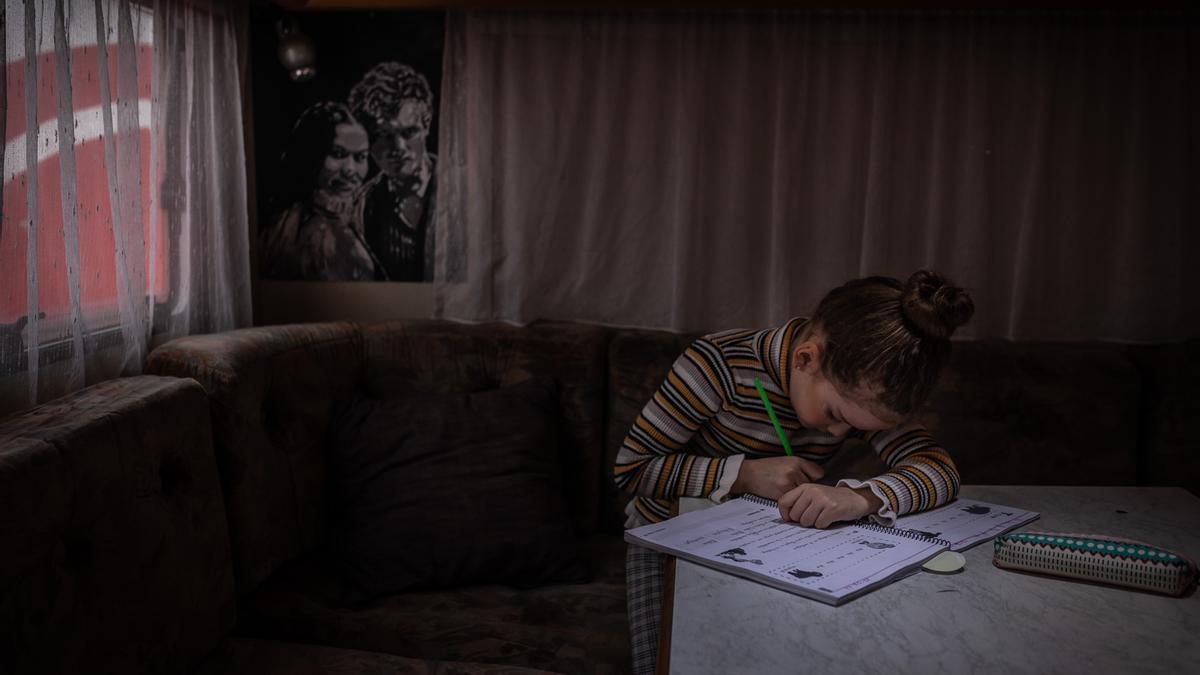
x,y
114,553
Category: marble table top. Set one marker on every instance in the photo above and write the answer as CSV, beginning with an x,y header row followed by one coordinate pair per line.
x,y
981,620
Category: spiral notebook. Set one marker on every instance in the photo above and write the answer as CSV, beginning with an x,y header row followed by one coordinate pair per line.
x,y
746,537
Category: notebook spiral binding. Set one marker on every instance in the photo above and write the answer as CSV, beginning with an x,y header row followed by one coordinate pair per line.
x,y
899,532
864,523
760,500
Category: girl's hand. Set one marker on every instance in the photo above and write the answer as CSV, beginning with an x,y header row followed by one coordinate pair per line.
x,y
820,505
771,477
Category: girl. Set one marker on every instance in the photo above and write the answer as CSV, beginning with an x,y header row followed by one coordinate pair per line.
x,y
858,368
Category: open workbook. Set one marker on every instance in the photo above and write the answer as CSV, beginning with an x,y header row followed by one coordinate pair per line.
x,y
746,537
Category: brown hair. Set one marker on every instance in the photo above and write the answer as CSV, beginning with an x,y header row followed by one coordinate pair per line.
x,y
891,336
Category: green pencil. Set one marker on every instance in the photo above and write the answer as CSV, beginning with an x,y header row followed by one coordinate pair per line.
x,y
787,447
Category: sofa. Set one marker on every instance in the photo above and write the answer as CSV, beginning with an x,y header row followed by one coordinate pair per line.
x,y
179,521
116,554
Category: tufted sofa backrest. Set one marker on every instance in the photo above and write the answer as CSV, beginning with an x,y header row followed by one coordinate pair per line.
x,y
114,554
1009,412
1039,413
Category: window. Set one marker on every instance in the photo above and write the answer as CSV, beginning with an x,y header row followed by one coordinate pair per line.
x,y
143,246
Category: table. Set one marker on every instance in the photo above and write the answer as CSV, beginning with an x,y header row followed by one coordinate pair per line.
x,y
981,620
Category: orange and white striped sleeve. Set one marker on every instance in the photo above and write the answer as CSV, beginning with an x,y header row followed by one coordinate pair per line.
x,y
921,474
649,463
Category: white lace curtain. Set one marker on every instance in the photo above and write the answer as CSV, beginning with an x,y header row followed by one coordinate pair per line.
x,y
697,171
124,219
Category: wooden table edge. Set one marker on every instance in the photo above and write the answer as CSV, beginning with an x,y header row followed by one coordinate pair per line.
x,y
662,665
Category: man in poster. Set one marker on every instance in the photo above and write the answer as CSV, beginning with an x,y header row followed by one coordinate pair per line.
x,y
395,104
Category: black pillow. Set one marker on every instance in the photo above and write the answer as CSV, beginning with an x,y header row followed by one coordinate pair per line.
x,y
449,490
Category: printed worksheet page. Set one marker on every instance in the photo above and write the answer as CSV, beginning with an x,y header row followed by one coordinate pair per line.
x,y
965,522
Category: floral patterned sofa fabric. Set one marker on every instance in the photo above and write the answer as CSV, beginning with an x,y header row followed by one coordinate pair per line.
x,y
272,392
114,554
567,628
238,656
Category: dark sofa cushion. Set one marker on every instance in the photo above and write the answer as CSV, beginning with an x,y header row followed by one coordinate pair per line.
x,y
439,491
435,356
566,628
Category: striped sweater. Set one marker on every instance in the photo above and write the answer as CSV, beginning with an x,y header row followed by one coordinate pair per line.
x,y
706,417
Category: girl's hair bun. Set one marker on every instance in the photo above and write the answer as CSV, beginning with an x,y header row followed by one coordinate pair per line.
x,y
934,306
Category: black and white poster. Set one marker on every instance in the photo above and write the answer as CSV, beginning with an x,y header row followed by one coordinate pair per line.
x,y
346,153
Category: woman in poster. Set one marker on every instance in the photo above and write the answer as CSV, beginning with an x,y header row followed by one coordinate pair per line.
x,y
315,231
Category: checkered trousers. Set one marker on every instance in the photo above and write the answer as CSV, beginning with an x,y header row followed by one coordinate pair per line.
x,y
644,589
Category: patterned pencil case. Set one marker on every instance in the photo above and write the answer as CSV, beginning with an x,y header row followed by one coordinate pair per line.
x,y
1098,558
